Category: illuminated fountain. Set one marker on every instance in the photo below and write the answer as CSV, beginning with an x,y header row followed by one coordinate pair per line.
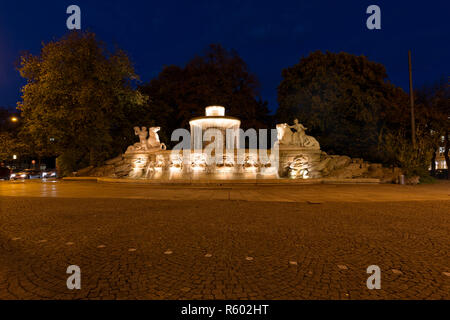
x,y
214,120
214,152
215,149
215,132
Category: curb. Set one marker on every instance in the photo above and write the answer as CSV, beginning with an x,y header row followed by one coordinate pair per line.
x,y
184,182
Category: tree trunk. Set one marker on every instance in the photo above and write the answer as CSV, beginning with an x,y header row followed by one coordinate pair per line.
x,y
433,163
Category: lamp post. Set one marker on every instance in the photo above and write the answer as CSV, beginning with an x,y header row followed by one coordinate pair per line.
x,y
411,98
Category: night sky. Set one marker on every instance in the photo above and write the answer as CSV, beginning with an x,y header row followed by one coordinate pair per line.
x,y
268,35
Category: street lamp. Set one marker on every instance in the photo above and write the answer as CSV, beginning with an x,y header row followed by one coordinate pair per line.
x,y
14,119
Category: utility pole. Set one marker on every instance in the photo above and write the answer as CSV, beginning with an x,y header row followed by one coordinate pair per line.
x,y
411,97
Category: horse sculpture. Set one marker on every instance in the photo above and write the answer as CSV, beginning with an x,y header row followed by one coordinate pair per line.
x,y
147,144
298,138
284,134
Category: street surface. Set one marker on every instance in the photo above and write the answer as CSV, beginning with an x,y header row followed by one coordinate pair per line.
x,y
235,242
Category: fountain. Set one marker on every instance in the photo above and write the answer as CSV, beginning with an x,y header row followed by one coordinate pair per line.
x,y
214,153
215,149
213,121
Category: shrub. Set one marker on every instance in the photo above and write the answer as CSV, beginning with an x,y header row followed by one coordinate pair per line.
x,y
400,151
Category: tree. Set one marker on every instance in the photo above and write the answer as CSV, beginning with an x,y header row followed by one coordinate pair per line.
x,y
7,145
10,142
218,77
343,99
79,102
399,151
434,113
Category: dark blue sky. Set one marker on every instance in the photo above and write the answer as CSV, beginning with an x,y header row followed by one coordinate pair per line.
x,y
269,35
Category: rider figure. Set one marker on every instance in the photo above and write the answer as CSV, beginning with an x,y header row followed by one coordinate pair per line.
x,y
299,136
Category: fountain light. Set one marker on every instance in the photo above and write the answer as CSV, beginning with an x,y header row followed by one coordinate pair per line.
x,y
199,162
215,111
176,162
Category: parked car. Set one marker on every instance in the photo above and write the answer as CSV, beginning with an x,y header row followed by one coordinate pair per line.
x,y
25,174
15,174
49,174
5,173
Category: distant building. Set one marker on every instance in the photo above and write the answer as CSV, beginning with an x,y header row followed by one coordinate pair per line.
x,y
440,158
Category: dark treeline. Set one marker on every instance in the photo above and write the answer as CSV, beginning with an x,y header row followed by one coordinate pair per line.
x,y
352,108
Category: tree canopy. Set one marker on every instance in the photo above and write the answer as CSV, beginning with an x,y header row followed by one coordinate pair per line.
x,y
434,114
79,102
344,99
218,77
10,144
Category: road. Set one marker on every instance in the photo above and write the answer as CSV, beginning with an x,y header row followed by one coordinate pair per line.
x,y
153,242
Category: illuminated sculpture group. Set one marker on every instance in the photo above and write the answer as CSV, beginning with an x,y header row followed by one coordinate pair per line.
x,y
213,151
297,138
148,140
150,159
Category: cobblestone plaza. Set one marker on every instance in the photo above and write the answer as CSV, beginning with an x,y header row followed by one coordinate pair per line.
x,y
237,242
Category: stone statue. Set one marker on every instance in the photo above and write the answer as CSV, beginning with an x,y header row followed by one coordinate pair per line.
x,y
142,133
284,134
153,139
298,138
152,143
299,134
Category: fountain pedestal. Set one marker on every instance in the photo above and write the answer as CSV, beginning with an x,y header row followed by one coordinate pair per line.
x,y
297,162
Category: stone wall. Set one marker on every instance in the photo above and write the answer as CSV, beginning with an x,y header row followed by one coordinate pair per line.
x,y
118,167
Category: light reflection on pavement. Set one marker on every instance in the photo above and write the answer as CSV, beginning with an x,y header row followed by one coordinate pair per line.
x,y
290,193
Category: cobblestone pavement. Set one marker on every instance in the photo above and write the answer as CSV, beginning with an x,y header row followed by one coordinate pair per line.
x,y
223,249
293,193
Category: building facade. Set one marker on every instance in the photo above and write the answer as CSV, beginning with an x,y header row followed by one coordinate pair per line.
x,y
441,164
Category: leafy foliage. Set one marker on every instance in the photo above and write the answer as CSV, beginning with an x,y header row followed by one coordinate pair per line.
x,y
10,143
434,113
7,146
344,99
413,161
219,77
79,97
